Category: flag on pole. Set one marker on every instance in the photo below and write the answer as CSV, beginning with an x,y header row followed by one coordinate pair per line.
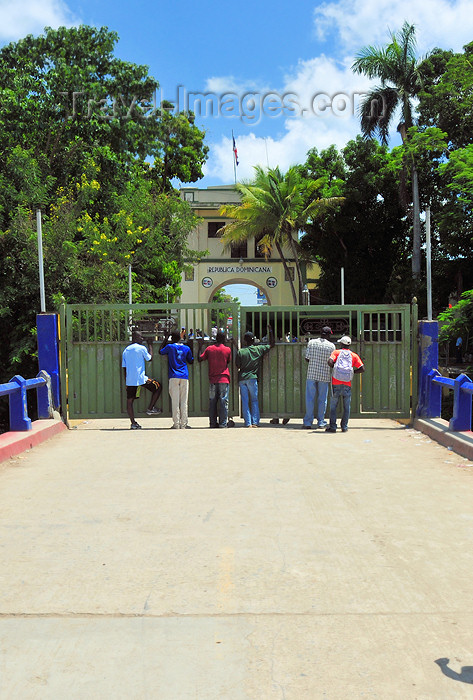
x,y
235,152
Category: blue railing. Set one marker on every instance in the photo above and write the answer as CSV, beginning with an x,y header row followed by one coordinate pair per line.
x,y
16,389
462,398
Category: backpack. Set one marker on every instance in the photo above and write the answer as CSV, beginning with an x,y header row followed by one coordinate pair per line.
x,y
343,367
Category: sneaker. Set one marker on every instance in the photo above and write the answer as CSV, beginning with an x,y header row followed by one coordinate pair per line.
x,y
154,411
135,426
186,427
330,430
322,425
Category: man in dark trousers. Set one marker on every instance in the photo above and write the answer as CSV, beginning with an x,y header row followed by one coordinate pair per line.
x,y
248,361
218,356
133,362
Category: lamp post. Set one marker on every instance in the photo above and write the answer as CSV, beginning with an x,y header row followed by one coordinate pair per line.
x,y
306,295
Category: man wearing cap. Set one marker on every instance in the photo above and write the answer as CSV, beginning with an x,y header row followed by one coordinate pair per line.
x,y
248,361
318,378
345,363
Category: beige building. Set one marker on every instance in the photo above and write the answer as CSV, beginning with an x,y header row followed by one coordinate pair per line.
x,y
242,264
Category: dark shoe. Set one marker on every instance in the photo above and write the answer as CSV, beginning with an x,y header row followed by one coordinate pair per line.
x,y
344,430
306,427
285,421
274,421
330,430
135,426
186,427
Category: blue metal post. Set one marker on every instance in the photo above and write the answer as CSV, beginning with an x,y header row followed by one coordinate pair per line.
x,y
461,419
48,352
19,419
428,360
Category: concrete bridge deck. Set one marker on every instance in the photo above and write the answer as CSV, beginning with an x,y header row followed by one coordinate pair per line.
x,y
224,565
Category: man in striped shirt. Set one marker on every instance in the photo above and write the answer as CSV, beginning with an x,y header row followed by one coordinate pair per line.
x,y
318,378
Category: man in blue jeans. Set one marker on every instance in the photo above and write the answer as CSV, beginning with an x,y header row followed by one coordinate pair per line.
x,y
248,361
345,363
318,378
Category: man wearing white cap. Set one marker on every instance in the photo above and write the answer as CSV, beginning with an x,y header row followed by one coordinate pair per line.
x,y
345,363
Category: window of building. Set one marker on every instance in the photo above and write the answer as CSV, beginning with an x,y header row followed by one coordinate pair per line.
x,y
239,250
213,228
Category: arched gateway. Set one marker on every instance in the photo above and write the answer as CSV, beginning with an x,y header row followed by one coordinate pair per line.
x,y
242,264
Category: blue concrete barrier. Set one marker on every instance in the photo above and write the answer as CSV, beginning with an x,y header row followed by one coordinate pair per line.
x,y
431,383
16,389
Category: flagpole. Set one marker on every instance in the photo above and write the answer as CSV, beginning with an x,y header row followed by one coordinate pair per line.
x,y
234,157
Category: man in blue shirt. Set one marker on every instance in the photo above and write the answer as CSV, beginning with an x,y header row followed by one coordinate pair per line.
x,y
133,362
179,356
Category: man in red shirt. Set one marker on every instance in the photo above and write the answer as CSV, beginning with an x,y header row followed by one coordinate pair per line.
x,y
218,356
345,363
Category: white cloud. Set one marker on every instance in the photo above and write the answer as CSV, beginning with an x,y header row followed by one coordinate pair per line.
x,y
228,83
17,19
317,107
358,23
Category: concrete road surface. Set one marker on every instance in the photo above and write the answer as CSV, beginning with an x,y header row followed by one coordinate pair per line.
x,y
269,564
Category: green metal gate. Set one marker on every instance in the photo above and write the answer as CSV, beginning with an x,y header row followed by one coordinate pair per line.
x,y
381,335
96,336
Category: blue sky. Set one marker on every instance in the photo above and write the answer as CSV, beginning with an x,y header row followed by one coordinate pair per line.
x,y
278,75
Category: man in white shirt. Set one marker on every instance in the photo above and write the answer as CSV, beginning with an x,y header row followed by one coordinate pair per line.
x,y
133,362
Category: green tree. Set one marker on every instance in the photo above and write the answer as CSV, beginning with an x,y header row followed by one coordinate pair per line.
x,y
458,320
79,128
397,67
367,235
274,208
446,99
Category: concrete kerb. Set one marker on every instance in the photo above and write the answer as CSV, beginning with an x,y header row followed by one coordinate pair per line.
x,y
438,429
15,442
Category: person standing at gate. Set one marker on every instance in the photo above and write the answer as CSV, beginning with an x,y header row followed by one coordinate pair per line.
x,y
318,378
218,356
248,361
133,362
345,364
179,356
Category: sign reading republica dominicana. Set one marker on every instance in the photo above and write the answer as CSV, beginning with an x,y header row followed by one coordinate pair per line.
x,y
248,269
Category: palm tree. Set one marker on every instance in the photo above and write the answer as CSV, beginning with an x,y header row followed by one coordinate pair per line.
x,y
397,67
274,208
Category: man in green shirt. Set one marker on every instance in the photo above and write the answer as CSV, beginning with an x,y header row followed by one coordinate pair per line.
x,y
248,361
